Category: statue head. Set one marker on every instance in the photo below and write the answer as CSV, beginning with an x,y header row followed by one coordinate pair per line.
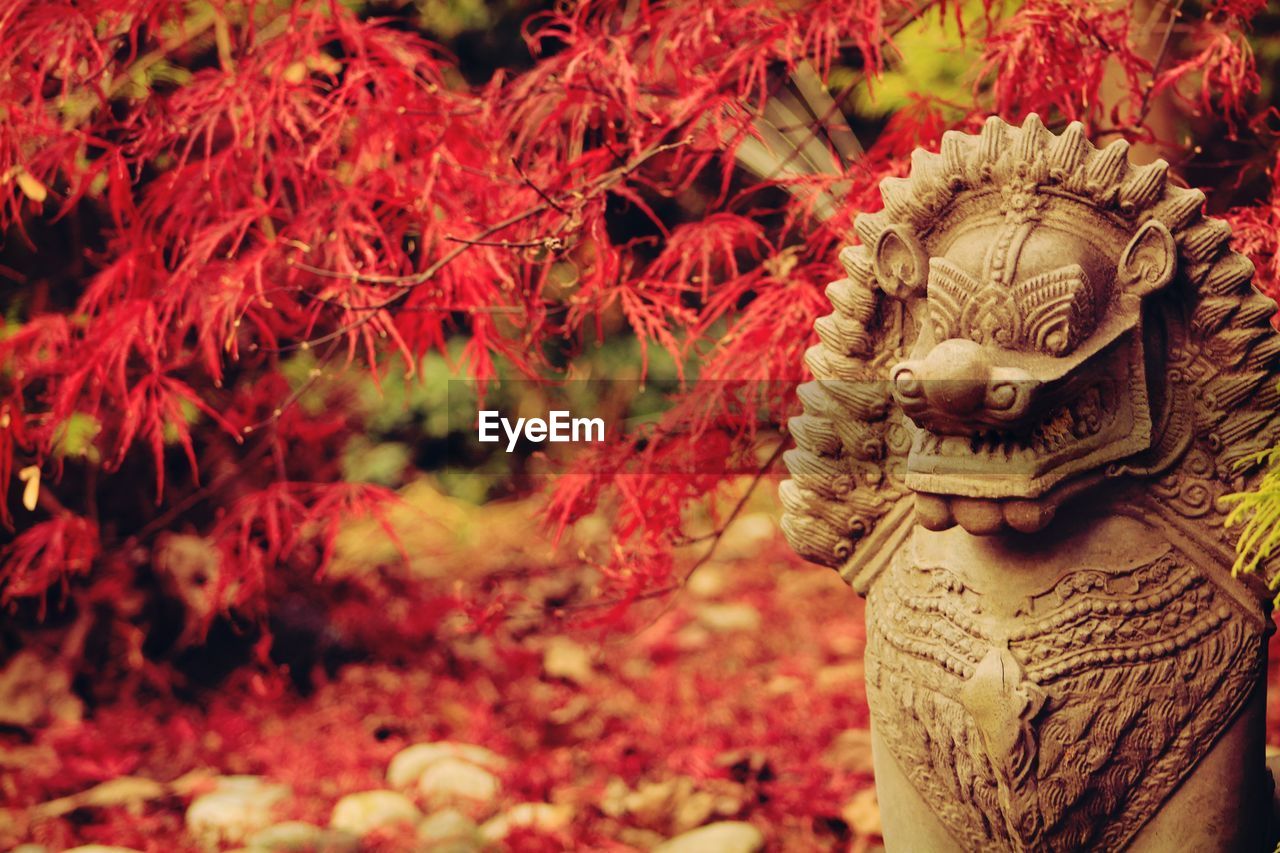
x,y
1027,318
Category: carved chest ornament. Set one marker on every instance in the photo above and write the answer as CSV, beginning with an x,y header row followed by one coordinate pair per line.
x,y
1040,375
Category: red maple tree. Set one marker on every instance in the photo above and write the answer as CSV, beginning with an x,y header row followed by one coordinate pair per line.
x,y
194,195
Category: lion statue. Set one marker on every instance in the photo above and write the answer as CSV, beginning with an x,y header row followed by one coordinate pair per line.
x,y
1044,371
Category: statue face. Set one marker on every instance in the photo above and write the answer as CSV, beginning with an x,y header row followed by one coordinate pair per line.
x,y
1028,373
1008,292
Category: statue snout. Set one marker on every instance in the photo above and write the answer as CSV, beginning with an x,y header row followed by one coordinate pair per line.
x,y
959,384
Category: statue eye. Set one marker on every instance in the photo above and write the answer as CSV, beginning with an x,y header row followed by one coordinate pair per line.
x,y
950,289
1056,308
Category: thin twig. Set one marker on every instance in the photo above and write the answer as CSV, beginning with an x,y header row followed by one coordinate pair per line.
x,y
717,535
406,284
1145,107
169,515
312,379
836,103
163,520
539,190
551,244
335,303
589,190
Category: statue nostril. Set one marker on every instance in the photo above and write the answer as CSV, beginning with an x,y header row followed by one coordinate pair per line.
x,y
1009,393
906,385
1001,396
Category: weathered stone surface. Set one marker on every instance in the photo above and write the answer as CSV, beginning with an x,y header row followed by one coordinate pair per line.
x,y
365,811
730,836
1029,403
406,766
452,779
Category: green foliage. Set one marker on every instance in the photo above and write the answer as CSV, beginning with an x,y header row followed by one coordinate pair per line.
x,y
75,438
447,18
382,463
1258,514
425,420
931,61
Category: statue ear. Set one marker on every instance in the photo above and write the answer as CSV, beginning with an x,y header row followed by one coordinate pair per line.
x,y
1149,261
901,266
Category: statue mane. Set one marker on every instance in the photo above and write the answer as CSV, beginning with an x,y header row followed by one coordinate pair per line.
x,y
1220,408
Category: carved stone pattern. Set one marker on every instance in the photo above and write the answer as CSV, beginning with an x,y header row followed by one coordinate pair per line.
x,y
1233,413
1122,682
1221,363
1047,313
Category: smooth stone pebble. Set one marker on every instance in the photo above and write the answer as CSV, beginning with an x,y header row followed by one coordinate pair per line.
x,y
451,778
851,750
298,835
237,807
729,618
566,659
366,811
709,581
744,538
862,813
448,825
250,786
543,816
730,836
407,765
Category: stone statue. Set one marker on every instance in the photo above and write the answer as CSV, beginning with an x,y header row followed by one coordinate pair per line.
x,y
1044,370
